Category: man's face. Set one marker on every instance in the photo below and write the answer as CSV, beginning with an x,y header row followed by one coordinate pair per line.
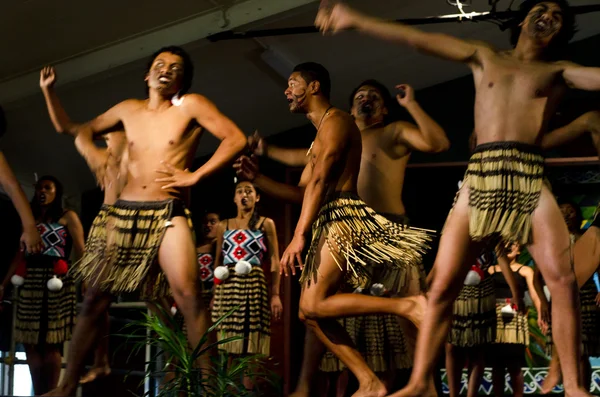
x,y
368,105
166,74
543,22
297,93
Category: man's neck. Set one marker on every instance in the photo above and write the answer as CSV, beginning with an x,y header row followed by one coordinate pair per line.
x,y
157,101
316,110
366,123
529,50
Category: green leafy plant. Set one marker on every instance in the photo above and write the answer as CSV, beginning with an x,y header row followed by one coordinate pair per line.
x,y
225,376
535,354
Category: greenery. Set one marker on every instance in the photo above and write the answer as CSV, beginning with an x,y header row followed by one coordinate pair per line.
x,y
535,353
226,373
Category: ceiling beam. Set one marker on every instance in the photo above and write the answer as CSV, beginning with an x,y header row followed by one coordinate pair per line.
x,y
141,46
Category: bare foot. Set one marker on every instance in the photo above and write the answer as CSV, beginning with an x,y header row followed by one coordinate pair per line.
x,y
61,392
416,314
95,373
415,391
299,393
580,392
551,381
374,389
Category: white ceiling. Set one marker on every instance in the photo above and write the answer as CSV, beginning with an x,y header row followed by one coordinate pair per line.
x,y
100,61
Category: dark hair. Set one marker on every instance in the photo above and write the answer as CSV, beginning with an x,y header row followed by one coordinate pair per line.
x,y
2,122
312,71
188,66
576,207
568,29
392,106
55,211
255,217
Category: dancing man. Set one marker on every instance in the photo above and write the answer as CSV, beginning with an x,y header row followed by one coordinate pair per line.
x,y
348,236
148,226
387,145
503,195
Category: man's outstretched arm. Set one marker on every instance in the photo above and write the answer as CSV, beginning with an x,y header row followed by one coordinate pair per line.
x,y
341,17
588,122
292,157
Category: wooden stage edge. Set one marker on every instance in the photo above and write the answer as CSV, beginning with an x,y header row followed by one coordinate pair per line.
x,y
552,162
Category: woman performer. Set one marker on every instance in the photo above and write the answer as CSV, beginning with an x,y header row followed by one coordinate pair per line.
x,y
45,317
246,243
512,329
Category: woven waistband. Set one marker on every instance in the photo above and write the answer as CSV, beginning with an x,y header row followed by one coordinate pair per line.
x,y
505,145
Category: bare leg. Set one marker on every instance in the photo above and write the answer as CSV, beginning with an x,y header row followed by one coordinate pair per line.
x,y
551,251
313,352
342,383
553,377
101,362
316,312
476,368
516,380
177,258
586,252
85,335
456,252
498,378
455,362
35,363
52,366
586,372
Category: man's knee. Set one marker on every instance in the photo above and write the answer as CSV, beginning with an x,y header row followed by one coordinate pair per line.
x,y
560,278
308,310
95,303
185,294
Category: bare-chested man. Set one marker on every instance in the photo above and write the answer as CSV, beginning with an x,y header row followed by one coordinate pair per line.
x,y
347,236
516,92
387,144
110,169
147,225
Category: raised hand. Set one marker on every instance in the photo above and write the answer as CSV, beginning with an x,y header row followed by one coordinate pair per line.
x,y
333,17
246,168
257,144
47,77
406,94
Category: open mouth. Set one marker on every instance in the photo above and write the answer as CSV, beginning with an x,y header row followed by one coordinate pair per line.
x,y
164,79
366,108
542,26
244,201
42,198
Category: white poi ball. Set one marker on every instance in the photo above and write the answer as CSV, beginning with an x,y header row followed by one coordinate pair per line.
x,y
242,268
474,277
508,309
358,290
54,284
377,289
17,280
460,183
173,310
222,273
